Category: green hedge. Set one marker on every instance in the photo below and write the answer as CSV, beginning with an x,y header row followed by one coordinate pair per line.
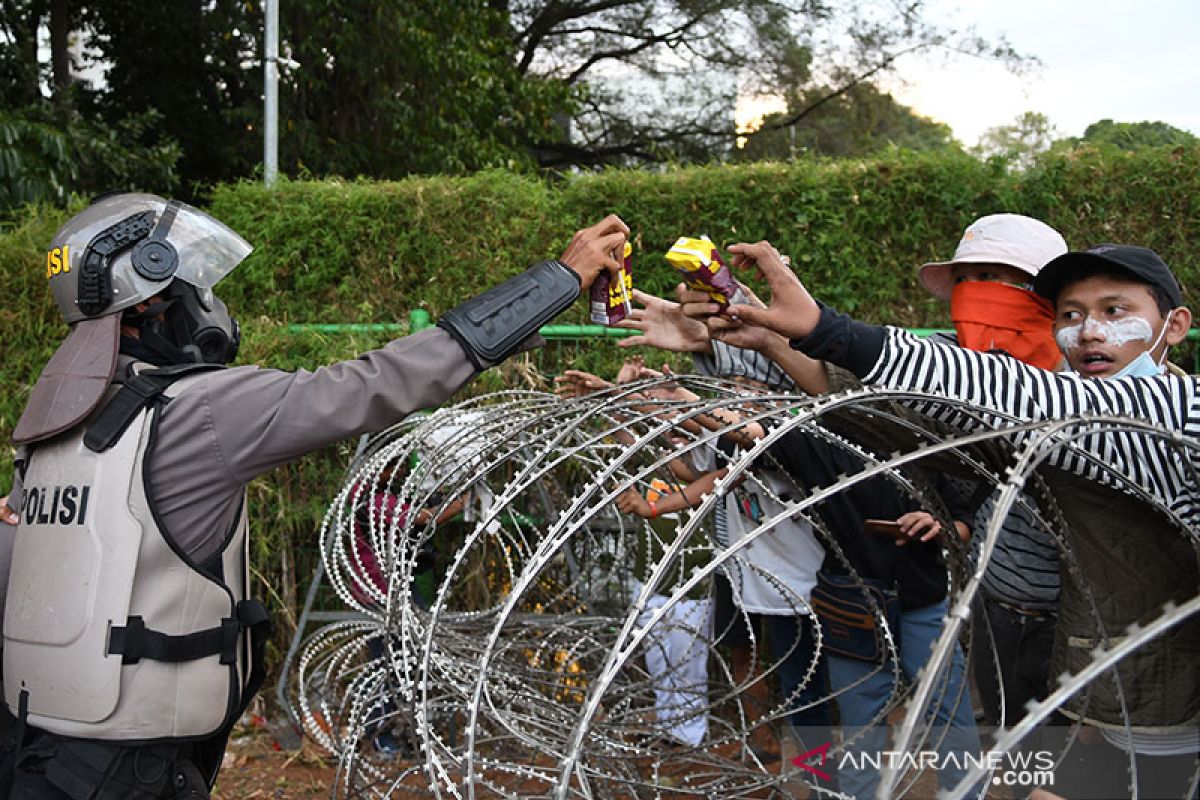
x,y
337,251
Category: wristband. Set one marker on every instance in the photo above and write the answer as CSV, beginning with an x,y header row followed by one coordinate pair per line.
x,y
653,509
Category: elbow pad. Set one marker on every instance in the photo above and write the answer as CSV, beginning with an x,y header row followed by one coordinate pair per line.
x,y
492,326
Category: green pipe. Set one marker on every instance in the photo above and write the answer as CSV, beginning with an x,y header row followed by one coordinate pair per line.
x,y
419,320
583,332
347,327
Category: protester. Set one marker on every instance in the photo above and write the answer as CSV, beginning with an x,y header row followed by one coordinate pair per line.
x,y
988,284
676,648
1118,309
912,580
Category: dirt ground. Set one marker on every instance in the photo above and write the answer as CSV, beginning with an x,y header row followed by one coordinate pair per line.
x,y
256,768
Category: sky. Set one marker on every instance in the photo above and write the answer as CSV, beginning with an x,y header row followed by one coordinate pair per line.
x,y
1125,60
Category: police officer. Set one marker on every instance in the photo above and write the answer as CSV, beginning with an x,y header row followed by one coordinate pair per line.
x,y
130,643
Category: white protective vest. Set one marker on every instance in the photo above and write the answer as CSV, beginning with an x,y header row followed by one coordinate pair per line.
x,y
89,559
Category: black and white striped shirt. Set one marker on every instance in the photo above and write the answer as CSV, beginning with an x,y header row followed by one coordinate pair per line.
x,y
1023,570
896,359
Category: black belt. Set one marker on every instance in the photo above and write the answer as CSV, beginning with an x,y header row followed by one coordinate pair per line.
x,y
1032,613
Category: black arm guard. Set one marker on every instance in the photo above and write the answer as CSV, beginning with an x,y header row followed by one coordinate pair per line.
x,y
492,326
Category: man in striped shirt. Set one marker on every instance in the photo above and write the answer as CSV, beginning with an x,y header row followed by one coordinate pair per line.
x,y
1118,310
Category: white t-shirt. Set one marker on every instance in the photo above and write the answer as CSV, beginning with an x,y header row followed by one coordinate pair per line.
x,y
775,573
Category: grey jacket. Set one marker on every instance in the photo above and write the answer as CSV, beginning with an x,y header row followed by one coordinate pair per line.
x,y
240,422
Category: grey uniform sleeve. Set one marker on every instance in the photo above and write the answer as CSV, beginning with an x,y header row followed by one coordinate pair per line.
x,y
268,417
241,422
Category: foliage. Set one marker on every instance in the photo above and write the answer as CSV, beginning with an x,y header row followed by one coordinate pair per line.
x,y
336,251
1019,143
420,86
34,164
193,63
57,137
380,89
390,89
856,123
1134,135
43,160
20,72
662,75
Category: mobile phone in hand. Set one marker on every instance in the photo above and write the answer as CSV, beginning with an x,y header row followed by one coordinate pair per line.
x,y
884,527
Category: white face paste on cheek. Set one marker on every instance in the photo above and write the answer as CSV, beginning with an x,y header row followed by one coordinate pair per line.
x,y
1116,333
1068,338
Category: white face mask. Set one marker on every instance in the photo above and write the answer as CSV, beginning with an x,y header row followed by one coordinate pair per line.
x,y
1145,365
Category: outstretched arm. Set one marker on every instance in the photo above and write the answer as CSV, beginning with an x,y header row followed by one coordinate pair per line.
x,y
631,501
896,359
662,324
807,373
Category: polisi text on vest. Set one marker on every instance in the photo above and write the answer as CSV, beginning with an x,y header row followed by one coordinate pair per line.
x,y
56,505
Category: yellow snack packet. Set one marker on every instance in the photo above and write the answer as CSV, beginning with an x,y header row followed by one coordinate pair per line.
x,y
700,265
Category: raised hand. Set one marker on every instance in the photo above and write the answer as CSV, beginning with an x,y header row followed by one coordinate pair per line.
x,y
576,383
632,369
596,249
696,306
792,312
663,325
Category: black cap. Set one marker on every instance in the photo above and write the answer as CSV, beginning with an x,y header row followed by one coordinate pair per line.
x,y
1142,264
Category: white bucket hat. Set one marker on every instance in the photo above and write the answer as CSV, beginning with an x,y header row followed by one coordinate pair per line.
x,y
1011,239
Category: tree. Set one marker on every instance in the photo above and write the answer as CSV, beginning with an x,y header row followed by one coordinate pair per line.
x,y
661,76
1134,135
1021,142
858,122
51,143
388,89
193,62
384,89
20,72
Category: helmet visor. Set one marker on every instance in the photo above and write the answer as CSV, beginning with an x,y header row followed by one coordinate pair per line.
x,y
208,248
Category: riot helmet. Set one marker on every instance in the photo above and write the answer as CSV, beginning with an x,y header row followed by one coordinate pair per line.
x,y
122,250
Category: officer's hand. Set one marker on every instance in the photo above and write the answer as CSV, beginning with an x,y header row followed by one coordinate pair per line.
x,y
7,515
596,249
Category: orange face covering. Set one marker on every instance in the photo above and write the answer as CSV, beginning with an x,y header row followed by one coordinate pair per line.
x,y
996,316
